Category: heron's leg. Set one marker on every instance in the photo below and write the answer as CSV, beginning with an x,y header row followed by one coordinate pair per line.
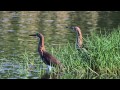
x,y
49,68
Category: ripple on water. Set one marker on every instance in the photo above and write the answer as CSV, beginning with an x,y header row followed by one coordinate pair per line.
x,y
8,69
2,71
16,66
12,78
1,51
4,64
30,74
17,71
49,21
10,31
35,77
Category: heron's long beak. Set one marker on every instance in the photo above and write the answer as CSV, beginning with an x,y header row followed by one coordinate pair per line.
x,y
71,27
32,35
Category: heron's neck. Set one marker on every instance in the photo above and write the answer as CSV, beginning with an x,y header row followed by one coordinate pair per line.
x,y
79,40
41,46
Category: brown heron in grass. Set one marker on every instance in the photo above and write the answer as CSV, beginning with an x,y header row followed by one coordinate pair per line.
x,y
79,38
46,57
83,50
79,42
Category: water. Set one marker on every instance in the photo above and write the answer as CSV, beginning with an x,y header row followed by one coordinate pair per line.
x,y
15,27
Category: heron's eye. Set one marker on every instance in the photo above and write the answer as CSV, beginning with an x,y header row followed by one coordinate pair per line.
x,y
37,34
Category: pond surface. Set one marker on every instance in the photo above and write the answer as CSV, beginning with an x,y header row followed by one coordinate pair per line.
x,y
15,27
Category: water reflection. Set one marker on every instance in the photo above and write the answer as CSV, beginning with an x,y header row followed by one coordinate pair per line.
x,y
15,26
109,20
13,70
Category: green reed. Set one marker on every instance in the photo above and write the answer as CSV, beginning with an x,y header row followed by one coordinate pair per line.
x,y
101,60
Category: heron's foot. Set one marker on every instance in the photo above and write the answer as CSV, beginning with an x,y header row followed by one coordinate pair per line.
x,y
49,69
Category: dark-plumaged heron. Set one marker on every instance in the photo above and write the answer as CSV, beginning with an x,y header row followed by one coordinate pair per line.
x,y
46,57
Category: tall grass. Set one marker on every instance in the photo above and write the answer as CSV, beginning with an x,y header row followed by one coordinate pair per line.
x,y
103,53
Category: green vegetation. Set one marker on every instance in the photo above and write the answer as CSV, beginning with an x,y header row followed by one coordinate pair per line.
x,y
103,53
102,60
